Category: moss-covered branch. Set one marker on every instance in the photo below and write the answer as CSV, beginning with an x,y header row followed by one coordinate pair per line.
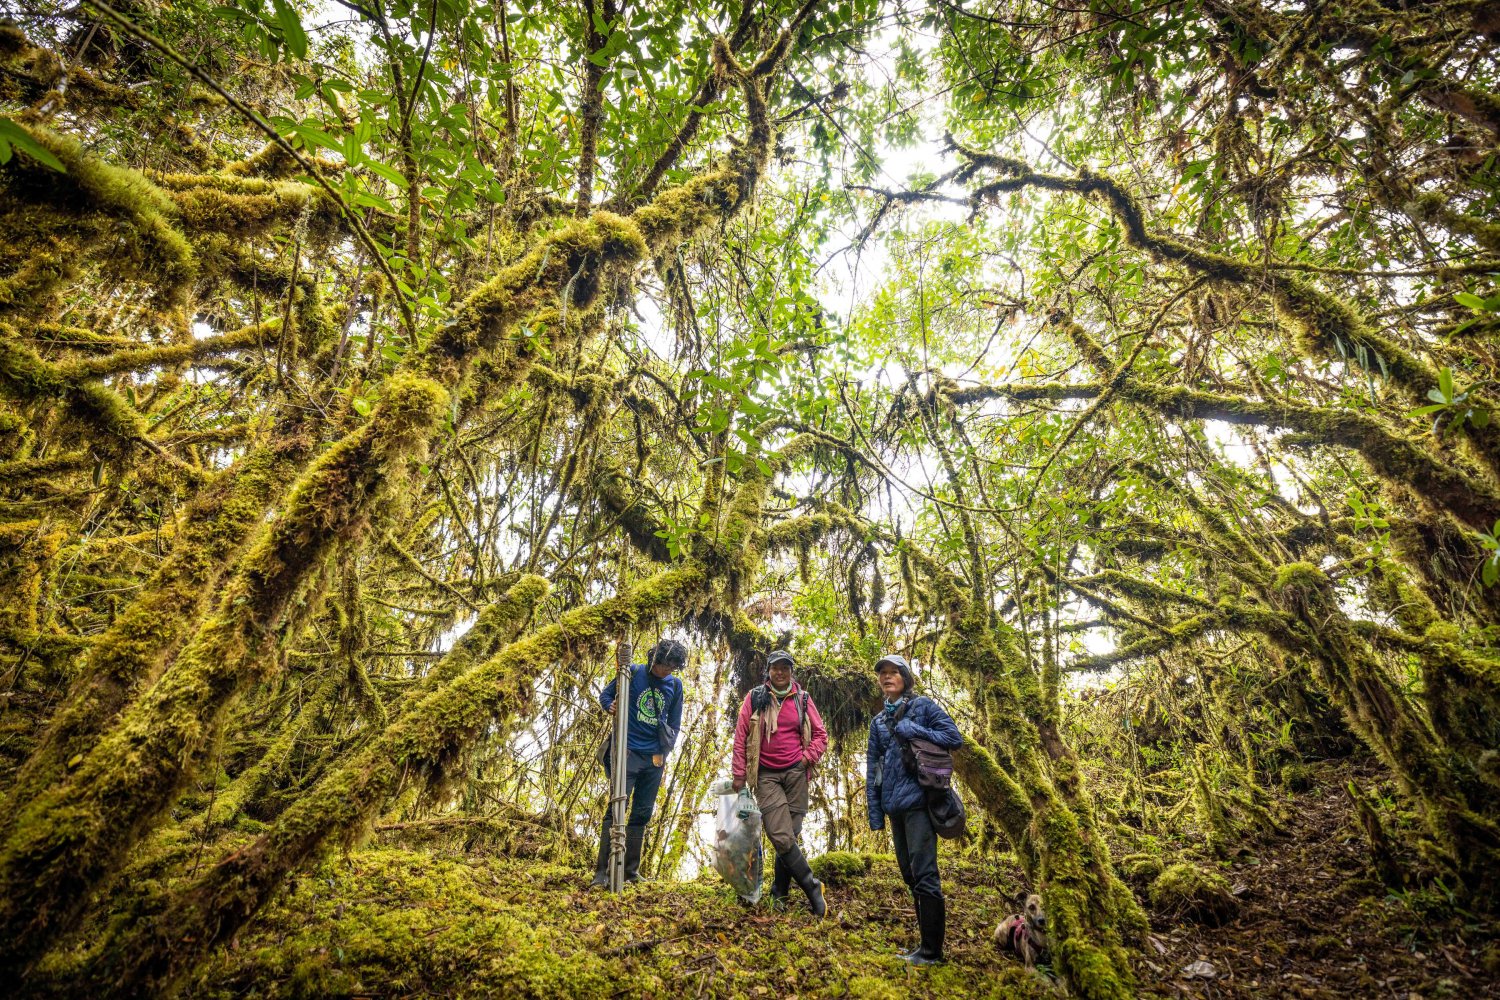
x,y
347,799
198,351
1392,455
75,833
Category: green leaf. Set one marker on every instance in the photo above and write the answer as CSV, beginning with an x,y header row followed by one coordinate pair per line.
x,y
314,136
389,173
362,406
1445,383
369,200
1471,300
291,29
13,135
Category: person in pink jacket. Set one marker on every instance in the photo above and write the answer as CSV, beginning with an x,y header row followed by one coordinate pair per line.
x,y
777,741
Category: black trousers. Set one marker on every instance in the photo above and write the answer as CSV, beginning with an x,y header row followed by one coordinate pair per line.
x,y
916,851
642,782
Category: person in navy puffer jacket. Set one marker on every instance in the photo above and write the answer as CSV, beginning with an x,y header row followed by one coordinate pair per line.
x,y
892,791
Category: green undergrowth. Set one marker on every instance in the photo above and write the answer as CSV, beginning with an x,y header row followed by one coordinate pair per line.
x,y
393,923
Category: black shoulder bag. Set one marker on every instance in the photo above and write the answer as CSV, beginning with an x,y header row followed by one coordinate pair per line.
x,y
931,766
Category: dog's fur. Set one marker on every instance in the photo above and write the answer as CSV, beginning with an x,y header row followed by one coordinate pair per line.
x,y
1024,934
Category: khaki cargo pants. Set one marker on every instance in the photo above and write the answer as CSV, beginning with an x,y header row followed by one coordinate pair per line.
x,y
782,796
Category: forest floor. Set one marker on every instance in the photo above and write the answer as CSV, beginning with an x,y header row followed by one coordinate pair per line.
x,y
388,922
1314,923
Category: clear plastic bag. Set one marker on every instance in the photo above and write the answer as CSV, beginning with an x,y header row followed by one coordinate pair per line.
x,y
737,848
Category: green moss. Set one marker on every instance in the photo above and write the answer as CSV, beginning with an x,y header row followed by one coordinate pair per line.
x,y
420,742
76,833
1435,206
1300,575
107,203
837,868
446,924
1091,912
1001,797
798,533
1186,891
116,428
26,550
1296,777
214,527
458,931
1489,958
873,988
270,161
144,359
1141,869
227,204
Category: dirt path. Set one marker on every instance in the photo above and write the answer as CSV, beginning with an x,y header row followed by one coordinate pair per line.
x,y
1315,924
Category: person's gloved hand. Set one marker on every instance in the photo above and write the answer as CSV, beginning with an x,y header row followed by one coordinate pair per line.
x,y
909,730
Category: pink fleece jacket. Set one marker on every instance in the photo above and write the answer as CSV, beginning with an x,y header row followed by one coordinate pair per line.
x,y
784,749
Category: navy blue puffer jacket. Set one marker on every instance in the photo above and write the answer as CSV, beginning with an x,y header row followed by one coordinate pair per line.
x,y
888,788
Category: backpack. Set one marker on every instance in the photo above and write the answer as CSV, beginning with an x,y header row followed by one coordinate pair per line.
x,y
760,697
931,766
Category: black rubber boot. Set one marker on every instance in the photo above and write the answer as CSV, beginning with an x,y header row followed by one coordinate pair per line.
x,y
634,837
780,884
932,917
916,948
601,867
802,873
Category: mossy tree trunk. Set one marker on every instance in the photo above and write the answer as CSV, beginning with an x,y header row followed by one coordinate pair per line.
x,y
1093,918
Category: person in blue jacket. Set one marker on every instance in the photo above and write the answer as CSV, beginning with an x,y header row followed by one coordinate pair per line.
x,y
655,717
892,791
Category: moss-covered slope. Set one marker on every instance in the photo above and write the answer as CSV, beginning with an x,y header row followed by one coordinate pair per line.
x,y
390,922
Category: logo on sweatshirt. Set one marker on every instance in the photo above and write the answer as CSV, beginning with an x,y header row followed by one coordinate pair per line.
x,y
650,706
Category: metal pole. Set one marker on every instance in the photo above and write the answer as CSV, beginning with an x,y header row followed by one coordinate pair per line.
x,y
619,754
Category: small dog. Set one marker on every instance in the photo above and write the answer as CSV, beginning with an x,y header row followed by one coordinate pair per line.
x,y
1025,934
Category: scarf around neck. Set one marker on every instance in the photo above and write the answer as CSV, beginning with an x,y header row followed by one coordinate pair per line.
x,y
771,714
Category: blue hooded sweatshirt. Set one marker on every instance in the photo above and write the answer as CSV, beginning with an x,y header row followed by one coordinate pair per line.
x,y
655,709
888,788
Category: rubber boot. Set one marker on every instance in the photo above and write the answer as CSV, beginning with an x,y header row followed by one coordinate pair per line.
x,y
780,884
802,873
601,867
932,917
634,837
916,948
